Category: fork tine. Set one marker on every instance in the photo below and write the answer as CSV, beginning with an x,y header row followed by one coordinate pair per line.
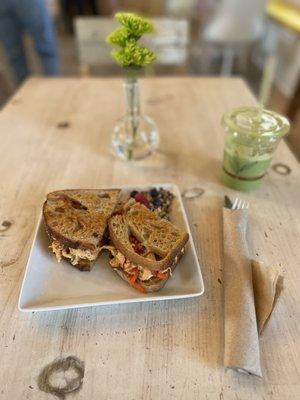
x,y
245,205
235,203
240,204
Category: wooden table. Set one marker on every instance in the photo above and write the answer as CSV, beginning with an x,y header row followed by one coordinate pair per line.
x,y
55,133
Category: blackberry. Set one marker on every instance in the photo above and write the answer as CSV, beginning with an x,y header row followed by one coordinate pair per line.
x,y
153,192
157,202
133,193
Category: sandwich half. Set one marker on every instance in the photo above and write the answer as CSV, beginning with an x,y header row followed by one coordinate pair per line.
x,y
76,222
145,248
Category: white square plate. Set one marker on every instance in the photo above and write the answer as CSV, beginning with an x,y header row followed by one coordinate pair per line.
x,y
49,285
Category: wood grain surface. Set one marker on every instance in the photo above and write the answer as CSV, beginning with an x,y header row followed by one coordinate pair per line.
x,y
56,133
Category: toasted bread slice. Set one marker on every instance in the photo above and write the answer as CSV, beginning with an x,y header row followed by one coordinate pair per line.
x,y
155,234
76,221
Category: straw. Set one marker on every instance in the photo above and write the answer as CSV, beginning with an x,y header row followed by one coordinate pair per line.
x,y
267,80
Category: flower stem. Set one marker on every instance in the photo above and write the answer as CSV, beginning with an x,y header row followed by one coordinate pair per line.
x,y
132,108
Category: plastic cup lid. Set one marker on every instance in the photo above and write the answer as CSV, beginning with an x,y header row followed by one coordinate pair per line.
x,y
256,121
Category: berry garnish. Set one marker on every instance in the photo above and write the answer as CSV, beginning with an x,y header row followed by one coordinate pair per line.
x,y
141,198
133,193
153,192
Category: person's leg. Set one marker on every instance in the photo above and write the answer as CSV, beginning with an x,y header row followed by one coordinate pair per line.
x,y
11,37
35,19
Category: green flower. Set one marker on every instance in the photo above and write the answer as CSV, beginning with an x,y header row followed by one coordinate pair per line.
x,y
131,53
136,25
119,37
134,55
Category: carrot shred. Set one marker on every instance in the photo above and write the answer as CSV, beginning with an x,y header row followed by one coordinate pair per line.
x,y
134,283
134,277
139,287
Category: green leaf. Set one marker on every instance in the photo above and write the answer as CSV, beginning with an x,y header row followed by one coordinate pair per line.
x,y
237,165
234,163
247,165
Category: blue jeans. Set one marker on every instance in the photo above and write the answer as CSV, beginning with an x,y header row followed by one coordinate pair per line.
x,y
28,16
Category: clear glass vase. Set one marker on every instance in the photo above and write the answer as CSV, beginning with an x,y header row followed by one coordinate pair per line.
x,y
135,136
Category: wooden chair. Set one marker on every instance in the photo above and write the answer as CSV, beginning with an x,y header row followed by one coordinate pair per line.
x,y
233,29
170,42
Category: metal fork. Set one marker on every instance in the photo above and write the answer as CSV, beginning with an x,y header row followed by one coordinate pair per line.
x,y
239,204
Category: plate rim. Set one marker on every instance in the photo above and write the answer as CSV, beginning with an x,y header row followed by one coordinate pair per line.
x,y
124,301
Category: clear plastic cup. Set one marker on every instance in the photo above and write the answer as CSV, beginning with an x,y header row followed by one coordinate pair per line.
x,y
252,136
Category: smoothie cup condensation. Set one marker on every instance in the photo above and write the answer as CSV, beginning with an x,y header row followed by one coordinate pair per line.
x,y
252,136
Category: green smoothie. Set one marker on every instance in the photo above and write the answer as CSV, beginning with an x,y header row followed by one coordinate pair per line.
x,y
252,137
245,172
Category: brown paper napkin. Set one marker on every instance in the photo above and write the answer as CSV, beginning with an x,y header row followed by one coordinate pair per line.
x,y
250,292
267,286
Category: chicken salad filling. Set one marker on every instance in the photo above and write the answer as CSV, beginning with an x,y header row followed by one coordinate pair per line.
x,y
75,255
118,260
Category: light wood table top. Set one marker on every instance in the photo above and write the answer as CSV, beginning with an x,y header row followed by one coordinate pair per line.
x,y
159,350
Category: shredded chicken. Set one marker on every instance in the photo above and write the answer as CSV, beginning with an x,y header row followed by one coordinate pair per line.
x,y
118,260
74,255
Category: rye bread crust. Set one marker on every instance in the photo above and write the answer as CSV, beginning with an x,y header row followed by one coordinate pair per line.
x,y
83,265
